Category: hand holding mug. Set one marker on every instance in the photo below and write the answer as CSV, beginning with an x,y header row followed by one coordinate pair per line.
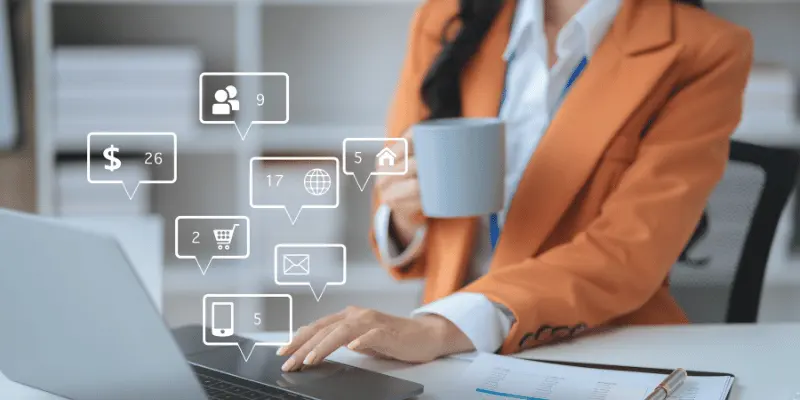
x,y
456,169
401,192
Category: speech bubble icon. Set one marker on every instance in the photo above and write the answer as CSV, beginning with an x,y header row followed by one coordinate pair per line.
x,y
230,319
131,159
244,99
315,265
294,183
361,156
208,238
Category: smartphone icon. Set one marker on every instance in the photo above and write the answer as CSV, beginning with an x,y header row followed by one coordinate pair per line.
x,y
222,319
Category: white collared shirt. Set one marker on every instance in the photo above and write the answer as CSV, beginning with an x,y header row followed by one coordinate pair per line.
x,y
533,96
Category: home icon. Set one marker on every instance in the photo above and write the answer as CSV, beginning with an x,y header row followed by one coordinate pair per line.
x,y
386,157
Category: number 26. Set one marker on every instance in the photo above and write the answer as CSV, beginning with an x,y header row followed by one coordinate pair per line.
x,y
151,158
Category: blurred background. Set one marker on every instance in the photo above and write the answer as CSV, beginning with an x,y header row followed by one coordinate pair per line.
x,y
69,67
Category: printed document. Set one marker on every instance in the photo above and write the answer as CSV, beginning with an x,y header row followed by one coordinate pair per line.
x,y
493,377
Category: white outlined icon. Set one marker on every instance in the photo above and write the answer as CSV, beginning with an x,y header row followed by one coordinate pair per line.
x,y
120,153
264,94
361,156
294,184
292,264
228,318
226,102
297,264
386,157
222,318
208,238
224,237
317,182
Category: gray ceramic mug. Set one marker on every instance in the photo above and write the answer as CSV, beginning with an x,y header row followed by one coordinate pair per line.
x,y
460,166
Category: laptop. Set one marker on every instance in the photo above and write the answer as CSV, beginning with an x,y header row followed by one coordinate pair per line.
x,y
76,322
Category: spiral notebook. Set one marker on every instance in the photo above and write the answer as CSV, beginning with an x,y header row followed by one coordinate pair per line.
x,y
503,378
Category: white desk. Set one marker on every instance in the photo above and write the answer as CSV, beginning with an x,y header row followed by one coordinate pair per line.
x,y
765,358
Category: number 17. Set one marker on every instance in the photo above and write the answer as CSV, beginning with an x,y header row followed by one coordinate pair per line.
x,y
277,179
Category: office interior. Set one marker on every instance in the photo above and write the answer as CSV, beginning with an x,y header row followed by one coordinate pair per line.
x,y
343,72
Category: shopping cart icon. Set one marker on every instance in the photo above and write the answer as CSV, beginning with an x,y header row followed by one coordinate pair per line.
x,y
224,237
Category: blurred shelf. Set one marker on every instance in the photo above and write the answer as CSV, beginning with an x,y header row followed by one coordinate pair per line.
x,y
257,2
334,2
326,138
184,277
202,142
157,2
313,137
320,137
339,2
285,138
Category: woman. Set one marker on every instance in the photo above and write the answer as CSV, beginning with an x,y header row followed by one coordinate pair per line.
x,y
625,159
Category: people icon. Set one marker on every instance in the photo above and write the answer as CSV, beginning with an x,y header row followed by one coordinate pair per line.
x,y
221,107
226,102
232,92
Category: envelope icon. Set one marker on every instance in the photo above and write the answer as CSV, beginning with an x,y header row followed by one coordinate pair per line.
x,y
296,264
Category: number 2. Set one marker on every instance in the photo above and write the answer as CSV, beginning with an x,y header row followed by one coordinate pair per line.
x,y
257,318
196,238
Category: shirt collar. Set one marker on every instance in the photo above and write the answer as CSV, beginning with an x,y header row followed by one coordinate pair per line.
x,y
586,28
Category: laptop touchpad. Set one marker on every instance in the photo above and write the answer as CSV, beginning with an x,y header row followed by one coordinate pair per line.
x,y
265,367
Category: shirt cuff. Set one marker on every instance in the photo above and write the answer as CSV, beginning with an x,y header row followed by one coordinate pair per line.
x,y
388,248
484,323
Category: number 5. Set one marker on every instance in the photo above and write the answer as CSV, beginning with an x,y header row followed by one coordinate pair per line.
x,y
358,157
257,318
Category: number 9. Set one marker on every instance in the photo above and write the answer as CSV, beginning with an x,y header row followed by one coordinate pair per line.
x,y
260,99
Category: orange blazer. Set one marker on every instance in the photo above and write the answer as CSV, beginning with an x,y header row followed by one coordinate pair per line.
x,y
617,183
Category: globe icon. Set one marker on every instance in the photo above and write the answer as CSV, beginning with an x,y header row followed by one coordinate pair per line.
x,y
317,182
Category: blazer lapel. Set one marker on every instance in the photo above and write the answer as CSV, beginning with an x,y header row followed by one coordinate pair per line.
x,y
481,88
616,81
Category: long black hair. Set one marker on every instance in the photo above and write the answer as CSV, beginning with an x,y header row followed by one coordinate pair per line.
x,y
441,88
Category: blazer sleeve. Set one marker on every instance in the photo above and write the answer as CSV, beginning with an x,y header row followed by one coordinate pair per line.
x,y
623,257
406,110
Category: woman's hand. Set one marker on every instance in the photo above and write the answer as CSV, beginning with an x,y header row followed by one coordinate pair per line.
x,y
415,340
401,192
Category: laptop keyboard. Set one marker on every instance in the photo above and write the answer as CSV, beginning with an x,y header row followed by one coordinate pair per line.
x,y
219,386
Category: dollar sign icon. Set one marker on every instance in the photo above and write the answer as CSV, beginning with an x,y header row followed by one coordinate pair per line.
x,y
115,162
